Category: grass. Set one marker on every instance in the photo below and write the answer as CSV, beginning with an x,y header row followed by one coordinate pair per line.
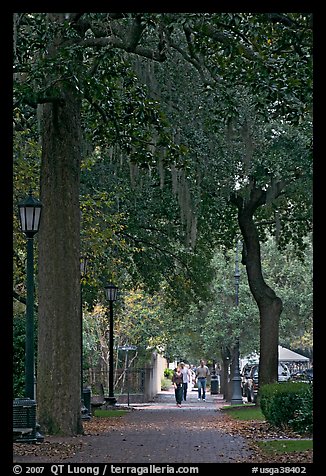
x,y
109,413
252,412
285,446
240,412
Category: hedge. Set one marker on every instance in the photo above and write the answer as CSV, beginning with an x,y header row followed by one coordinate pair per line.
x,y
288,404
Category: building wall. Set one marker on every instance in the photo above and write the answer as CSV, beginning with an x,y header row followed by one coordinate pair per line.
x,y
153,376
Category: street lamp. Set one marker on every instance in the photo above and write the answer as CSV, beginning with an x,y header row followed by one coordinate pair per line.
x,y
236,380
29,215
83,270
111,292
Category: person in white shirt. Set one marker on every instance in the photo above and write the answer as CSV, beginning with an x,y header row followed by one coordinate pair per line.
x,y
202,372
186,379
192,378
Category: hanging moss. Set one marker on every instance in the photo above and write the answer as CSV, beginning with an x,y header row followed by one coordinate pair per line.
x,y
181,190
193,232
134,172
174,175
161,169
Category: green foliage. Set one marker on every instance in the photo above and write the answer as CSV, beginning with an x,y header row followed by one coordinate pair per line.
x,y
159,165
288,404
139,113
168,373
26,170
18,355
290,276
165,384
303,416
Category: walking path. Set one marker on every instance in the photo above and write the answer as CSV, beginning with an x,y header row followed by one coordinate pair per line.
x,y
161,432
156,432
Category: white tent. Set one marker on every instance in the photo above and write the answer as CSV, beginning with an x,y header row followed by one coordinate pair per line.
x,y
287,355
284,355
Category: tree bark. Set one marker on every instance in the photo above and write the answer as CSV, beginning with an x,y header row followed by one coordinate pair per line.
x,y
269,304
59,343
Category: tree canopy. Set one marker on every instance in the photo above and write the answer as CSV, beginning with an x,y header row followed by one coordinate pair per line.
x,y
160,138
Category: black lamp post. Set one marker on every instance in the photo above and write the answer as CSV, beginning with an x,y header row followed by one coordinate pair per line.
x,y
29,215
236,380
83,270
111,292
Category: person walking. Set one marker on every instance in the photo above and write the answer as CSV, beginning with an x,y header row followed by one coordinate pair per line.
x,y
186,379
192,377
202,372
177,379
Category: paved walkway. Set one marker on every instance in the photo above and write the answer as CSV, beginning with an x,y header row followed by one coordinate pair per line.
x,y
161,432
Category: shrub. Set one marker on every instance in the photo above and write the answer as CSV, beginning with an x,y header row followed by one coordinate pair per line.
x,y
303,416
168,373
288,404
165,384
19,355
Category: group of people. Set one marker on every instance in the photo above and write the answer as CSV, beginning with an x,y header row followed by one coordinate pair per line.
x,y
183,378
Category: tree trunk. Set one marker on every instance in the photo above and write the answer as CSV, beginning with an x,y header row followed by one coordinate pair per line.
x,y
269,305
269,310
59,343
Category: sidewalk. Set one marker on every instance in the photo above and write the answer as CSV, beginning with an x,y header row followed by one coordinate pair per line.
x,y
161,432
166,399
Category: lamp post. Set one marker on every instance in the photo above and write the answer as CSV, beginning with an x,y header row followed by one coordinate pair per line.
x,y
111,292
29,215
83,270
236,380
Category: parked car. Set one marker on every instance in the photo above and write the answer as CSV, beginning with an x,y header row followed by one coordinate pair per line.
x,y
309,374
253,383
284,373
305,375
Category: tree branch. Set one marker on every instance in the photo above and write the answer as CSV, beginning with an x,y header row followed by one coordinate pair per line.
x,y
275,189
135,33
280,18
114,42
154,246
74,17
227,39
197,65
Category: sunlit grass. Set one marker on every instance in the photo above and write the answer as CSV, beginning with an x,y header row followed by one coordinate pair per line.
x,y
285,446
248,412
253,412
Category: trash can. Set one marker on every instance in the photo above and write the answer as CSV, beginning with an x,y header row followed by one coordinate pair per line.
x,y
214,385
24,420
87,399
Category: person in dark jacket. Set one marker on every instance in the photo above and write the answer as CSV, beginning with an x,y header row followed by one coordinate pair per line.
x,y
177,379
